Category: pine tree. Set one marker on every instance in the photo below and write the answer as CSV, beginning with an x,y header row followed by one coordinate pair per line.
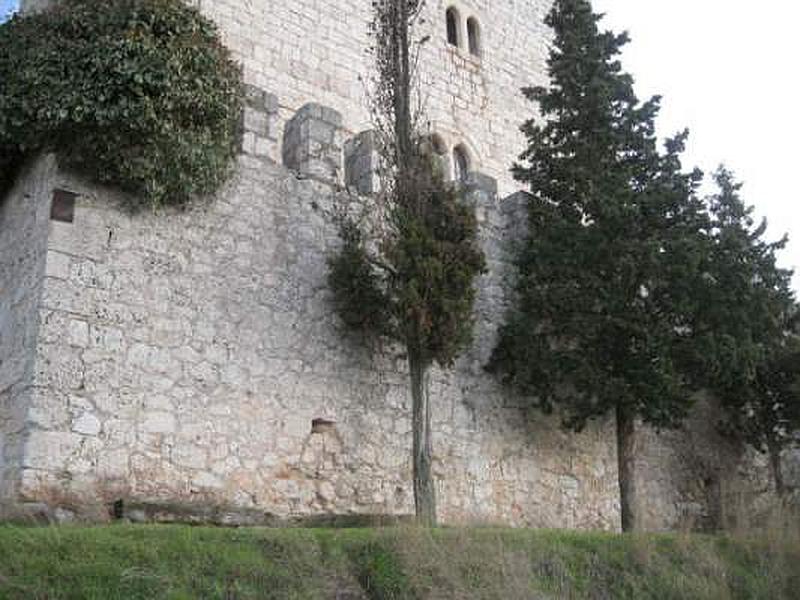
x,y
748,350
616,247
406,272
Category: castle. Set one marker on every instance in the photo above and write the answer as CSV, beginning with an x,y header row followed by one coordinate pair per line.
x,y
187,362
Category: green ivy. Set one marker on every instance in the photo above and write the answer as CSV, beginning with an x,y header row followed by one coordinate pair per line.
x,y
139,94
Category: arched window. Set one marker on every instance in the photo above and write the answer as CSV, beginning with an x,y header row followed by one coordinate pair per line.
x,y
460,164
474,35
452,26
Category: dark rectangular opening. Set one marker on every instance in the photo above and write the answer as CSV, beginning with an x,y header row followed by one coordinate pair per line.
x,y
63,207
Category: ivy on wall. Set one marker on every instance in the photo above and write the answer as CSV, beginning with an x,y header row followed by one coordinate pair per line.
x,y
139,94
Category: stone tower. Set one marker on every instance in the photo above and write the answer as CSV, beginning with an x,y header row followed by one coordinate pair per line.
x,y
479,54
190,362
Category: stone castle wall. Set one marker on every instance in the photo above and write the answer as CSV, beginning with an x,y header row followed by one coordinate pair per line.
x,y
309,50
193,357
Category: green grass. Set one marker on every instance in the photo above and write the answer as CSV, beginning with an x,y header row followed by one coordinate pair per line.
x,y
176,562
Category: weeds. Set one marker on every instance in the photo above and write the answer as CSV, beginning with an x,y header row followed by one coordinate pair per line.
x,y
399,563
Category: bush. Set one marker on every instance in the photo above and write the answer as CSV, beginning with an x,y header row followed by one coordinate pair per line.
x,y
140,94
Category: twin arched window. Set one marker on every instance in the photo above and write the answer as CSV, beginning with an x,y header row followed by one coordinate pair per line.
x,y
457,166
455,34
474,36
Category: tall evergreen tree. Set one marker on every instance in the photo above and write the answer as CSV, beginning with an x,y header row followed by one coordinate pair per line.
x,y
616,247
748,350
407,271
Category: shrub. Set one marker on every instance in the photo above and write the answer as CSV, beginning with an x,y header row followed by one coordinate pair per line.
x,y
140,94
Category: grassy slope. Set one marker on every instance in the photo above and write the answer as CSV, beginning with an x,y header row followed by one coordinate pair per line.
x,y
175,562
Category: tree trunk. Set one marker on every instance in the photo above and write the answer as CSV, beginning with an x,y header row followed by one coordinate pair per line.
x,y
775,465
403,107
424,490
625,460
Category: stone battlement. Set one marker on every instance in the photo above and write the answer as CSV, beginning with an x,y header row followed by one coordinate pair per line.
x,y
307,51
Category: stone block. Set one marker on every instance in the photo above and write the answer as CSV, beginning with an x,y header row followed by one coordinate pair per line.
x,y
312,143
258,123
58,265
361,163
158,422
50,450
78,333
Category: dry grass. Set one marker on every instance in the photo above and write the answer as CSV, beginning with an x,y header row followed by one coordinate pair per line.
x,y
402,563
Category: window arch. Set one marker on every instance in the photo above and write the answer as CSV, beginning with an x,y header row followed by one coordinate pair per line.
x,y
474,36
453,22
461,164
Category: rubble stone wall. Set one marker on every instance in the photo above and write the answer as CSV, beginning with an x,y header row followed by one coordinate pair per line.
x,y
194,357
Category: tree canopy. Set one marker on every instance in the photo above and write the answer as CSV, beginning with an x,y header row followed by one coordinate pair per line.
x,y
748,349
141,95
617,240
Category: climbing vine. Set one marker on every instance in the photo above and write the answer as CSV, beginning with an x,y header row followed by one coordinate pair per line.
x,y
139,94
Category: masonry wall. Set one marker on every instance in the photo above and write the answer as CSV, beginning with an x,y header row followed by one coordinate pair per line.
x,y
309,50
698,479
186,361
194,358
23,236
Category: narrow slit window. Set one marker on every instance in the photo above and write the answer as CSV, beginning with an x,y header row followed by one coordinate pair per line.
x,y
460,164
474,34
452,26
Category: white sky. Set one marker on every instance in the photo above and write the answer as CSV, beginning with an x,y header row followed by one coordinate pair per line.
x,y
729,70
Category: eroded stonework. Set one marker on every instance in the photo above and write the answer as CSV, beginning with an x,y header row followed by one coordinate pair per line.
x,y
193,358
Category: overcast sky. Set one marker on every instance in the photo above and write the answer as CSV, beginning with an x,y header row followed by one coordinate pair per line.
x,y
728,70
6,6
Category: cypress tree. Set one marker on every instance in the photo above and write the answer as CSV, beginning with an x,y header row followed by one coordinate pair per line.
x,y
748,350
616,248
406,272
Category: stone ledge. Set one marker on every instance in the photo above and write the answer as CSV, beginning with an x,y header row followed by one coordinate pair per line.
x,y
42,513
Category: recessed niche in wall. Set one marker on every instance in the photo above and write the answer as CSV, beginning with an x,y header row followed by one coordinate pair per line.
x,y
453,24
320,426
461,166
474,36
63,207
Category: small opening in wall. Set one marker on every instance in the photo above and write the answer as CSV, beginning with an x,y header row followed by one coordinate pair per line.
x,y
460,164
63,206
474,35
452,26
320,426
